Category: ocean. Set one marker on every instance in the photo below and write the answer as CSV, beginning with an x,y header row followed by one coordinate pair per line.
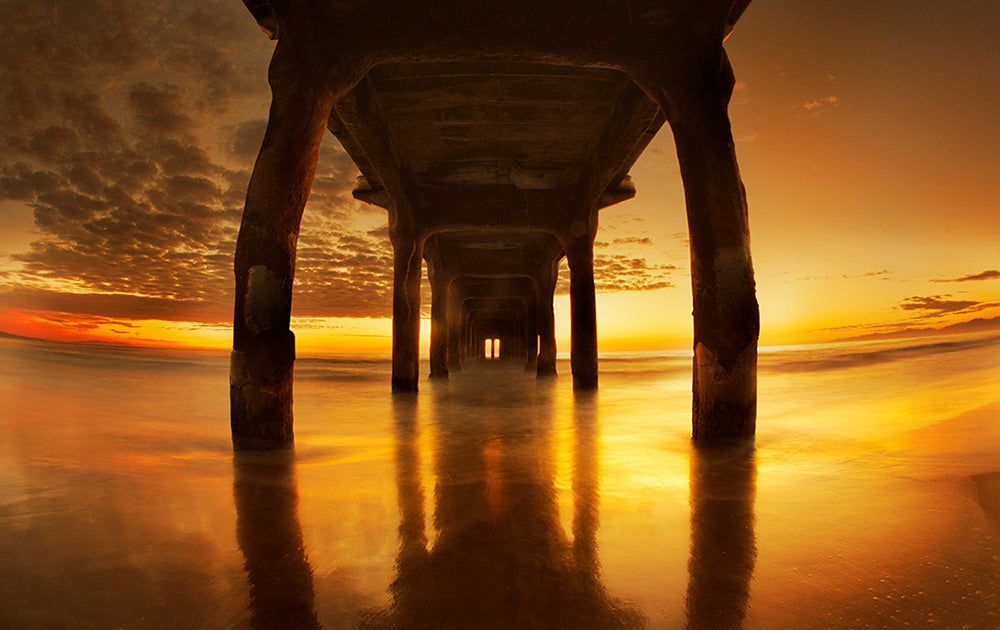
x,y
869,499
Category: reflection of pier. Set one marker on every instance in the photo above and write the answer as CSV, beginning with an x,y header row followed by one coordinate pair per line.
x,y
501,558
723,483
270,537
493,133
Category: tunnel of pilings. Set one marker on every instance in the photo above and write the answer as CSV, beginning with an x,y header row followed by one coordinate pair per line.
x,y
493,134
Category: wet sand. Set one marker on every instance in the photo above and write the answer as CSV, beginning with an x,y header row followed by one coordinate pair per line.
x,y
870,498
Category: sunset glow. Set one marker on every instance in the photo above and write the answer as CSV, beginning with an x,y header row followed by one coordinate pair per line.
x,y
124,175
181,446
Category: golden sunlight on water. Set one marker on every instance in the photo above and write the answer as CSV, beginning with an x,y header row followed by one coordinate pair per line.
x,y
871,497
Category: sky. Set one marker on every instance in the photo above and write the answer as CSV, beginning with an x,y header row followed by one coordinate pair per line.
x,y
866,132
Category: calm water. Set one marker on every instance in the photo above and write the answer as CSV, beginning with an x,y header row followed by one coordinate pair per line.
x,y
871,497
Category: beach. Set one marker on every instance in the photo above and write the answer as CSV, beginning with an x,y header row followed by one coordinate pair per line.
x,y
869,499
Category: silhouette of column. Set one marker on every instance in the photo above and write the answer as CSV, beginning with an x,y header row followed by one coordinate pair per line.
x,y
454,305
583,308
260,385
723,483
545,281
439,320
469,350
270,538
531,330
407,257
726,319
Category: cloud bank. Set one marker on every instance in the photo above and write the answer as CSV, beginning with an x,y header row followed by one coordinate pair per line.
x,y
130,130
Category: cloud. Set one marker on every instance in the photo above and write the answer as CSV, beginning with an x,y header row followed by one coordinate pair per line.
x,y
935,305
131,129
683,238
243,140
135,161
990,274
875,274
620,272
882,274
816,107
160,107
633,240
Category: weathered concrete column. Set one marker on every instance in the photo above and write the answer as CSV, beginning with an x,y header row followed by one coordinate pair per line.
x,y
439,320
583,310
545,281
726,319
407,257
260,382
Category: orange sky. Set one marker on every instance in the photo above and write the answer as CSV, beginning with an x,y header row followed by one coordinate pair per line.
x,y
866,134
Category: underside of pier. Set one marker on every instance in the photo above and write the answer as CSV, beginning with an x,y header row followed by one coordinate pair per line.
x,y
493,134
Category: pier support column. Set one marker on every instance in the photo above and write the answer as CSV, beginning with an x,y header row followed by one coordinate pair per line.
x,y
407,257
531,331
439,320
583,310
545,281
260,382
726,319
454,330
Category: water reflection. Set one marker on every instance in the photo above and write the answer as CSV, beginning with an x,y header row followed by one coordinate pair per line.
x,y
723,545
270,537
480,540
500,557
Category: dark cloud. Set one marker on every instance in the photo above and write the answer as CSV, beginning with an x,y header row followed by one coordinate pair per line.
x,y
619,272
991,274
934,305
633,240
682,238
86,111
131,129
160,107
889,331
348,275
243,140
117,306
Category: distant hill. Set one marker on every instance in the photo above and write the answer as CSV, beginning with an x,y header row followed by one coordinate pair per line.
x,y
87,343
979,324
7,335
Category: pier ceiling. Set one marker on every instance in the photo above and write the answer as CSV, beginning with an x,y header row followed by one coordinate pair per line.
x,y
480,143
531,126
